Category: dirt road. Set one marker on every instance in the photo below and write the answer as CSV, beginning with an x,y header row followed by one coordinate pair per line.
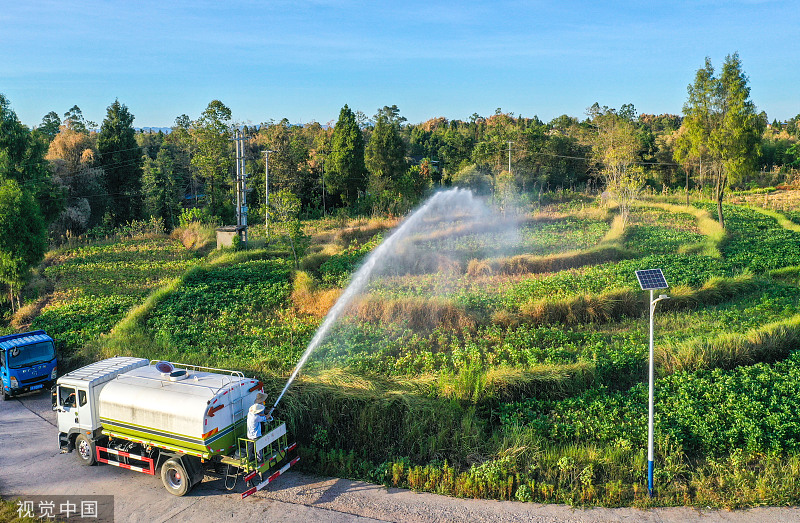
x,y
30,463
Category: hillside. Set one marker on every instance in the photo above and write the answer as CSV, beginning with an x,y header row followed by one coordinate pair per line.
x,y
502,356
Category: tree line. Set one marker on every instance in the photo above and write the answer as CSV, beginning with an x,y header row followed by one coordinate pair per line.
x,y
67,176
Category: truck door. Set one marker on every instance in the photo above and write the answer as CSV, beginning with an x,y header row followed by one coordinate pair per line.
x,y
84,410
67,410
3,370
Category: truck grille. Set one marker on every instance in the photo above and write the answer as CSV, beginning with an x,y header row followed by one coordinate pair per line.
x,y
32,380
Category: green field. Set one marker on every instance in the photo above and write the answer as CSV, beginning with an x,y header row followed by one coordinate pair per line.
x,y
508,366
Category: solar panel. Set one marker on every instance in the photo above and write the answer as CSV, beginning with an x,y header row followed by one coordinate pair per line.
x,y
651,279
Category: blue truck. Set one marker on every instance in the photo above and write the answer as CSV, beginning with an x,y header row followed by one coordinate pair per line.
x,y
27,362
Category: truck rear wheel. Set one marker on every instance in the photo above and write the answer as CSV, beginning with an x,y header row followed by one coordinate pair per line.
x,y
174,477
85,450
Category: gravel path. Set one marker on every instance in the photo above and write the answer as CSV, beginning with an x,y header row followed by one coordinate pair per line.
x,y
30,463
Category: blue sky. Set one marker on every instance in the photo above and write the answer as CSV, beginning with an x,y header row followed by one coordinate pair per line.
x,y
304,60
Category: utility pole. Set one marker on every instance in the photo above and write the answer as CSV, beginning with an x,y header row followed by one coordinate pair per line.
x,y
241,185
324,210
266,191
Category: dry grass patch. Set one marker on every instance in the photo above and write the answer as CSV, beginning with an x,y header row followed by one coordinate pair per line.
x,y
419,314
308,299
361,229
587,308
529,264
195,236
616,304
715,290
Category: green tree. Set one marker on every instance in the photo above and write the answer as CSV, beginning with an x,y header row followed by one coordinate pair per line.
x,y
285,211
345,172
181,140
288,163
385,155
73,119
721,123
23,235
793,126
615,148
121,160
22,158
50,125
474,178
212,158
163,190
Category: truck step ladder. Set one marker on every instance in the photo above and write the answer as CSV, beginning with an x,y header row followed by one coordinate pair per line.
x,y
229,475
269,480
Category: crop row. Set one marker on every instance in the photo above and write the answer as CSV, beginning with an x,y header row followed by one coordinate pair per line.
x,y
756,241
708,412
93,286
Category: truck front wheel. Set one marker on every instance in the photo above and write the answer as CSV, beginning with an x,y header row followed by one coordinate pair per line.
x,y
174,477
85,450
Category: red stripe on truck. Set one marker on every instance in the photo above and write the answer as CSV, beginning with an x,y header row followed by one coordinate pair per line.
x,y
149,461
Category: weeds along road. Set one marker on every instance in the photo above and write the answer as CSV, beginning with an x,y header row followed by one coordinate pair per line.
x,y
30,463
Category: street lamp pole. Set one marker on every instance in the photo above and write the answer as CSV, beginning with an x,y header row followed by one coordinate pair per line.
x,y
650,451
651,280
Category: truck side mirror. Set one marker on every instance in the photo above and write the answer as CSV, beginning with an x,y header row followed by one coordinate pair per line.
x,y
54,396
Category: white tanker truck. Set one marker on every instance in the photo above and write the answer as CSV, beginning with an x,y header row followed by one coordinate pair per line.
x,y
187,420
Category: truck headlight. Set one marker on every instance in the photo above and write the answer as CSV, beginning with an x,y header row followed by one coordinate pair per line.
x,y
14,383
53,374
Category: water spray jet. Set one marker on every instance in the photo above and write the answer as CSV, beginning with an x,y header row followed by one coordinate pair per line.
x,y
462,198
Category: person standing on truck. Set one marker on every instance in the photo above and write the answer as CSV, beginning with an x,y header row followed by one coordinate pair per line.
x,y
255,417
261,398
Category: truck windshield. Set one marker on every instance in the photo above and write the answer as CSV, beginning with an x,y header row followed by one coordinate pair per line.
x,y
32,354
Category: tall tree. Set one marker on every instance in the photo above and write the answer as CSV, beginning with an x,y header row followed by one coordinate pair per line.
x,y
73,119
385,155
181,140
162,188
23,235
50,125
212,157
721,121
121,159
73,161
22,159
24,179
615,147
346,172
701,119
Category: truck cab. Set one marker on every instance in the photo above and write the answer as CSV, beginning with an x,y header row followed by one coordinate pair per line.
x,y
75,400
27,362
